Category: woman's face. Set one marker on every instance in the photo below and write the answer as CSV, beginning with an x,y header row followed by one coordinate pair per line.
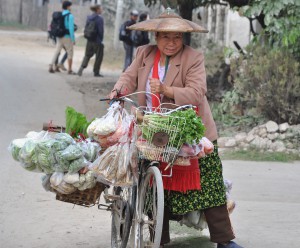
x,y
169,43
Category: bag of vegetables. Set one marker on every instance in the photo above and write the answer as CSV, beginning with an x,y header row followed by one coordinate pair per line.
x,y
106,124
112,167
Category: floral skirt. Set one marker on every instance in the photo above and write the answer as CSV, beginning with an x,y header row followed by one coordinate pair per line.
x,y
212,191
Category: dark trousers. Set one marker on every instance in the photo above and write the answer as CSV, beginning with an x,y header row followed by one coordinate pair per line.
x,y
217,219
91,49
128,55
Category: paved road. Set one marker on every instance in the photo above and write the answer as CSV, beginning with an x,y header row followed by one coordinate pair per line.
x,y
267,194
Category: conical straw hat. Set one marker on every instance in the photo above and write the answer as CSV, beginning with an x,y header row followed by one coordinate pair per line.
x,y
168,22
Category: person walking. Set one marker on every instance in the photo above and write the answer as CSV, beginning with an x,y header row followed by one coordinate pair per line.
x,y
94,31
141,38
176,73
127,42
67,41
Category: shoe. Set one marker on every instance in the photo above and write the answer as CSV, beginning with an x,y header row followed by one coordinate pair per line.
x,y
79,73
98,75
56,69
62,67
51,70
72,73
231,244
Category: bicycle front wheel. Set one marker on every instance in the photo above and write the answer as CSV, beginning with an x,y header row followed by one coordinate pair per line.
x,y
121,218
150,212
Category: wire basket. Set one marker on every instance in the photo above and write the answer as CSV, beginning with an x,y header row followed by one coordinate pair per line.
x,y
86,198
159,143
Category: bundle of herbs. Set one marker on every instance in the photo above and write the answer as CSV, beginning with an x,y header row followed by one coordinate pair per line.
x,y
185,124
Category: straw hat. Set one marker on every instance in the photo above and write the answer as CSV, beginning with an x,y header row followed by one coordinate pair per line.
x,y
168,22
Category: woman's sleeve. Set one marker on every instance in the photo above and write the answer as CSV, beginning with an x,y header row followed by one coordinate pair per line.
x,y
129,79
71,27
195,88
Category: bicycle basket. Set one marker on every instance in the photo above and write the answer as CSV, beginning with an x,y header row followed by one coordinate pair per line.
x,y
160,136
86,198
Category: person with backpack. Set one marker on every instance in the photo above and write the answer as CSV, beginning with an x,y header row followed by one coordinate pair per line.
x,y
125,35
93,32
140,37
62,27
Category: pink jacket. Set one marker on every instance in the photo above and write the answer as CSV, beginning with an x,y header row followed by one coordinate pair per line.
x,y
186,74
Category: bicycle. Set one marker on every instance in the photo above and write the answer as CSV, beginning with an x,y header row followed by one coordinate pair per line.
x,y
142,206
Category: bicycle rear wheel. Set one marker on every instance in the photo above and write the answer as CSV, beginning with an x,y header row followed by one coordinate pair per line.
x,y
150,210
121,218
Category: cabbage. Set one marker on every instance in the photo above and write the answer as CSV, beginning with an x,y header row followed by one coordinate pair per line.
x,y
64,137
72,152
15,147
77,165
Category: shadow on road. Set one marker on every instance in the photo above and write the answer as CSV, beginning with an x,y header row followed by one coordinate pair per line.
x,y
191,242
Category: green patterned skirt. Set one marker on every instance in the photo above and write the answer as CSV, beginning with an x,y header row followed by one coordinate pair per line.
x,y
212,191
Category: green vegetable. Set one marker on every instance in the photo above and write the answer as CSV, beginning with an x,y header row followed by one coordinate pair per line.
x,y
72,152
15,148
76,122
77,165
188,126
190,130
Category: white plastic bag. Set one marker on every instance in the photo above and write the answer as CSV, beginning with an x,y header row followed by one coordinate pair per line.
x,y
106,124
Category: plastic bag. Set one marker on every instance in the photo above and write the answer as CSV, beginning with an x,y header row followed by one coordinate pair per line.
x,y
15,147
123,165
103,166
71,178
106,124
64,188
46,182
200,150
56,178
72,152
90,149
113,167
77,164
121,133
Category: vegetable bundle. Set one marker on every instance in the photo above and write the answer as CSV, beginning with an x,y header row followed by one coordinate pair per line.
x,y
42,152
182,127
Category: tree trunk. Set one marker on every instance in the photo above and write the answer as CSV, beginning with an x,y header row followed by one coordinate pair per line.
x,y
186,12
118,20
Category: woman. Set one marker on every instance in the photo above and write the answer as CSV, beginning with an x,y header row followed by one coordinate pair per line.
x,y
181,81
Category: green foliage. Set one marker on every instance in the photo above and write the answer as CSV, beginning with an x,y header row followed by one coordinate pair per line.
x,y
269,81
282,20
76,123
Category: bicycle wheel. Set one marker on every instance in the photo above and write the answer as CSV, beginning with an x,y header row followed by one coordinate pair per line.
x,y
121,218
150,210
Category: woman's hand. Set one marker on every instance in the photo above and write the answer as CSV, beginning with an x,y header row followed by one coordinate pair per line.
x,y
155,86
113,94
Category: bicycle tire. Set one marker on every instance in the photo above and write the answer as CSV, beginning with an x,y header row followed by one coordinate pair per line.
x,y
121,221
149,221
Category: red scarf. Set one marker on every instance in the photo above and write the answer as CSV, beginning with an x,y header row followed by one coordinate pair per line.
x,y
155,100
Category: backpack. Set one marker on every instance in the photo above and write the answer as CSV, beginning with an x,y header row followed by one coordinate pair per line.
x,y
138,38
58,24
90,30
123,34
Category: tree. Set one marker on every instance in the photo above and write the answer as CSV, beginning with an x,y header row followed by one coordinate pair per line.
x,y
278,18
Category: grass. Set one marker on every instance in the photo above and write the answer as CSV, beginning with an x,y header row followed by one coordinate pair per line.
x,y
259,155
